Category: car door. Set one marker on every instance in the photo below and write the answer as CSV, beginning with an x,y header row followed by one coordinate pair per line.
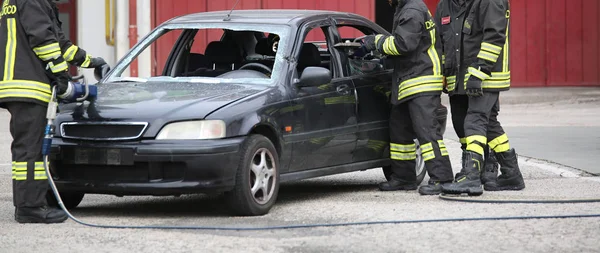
x,y
325,133
372,79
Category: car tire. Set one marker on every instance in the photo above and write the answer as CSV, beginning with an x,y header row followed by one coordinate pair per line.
x,y
419,167
70,199
257,178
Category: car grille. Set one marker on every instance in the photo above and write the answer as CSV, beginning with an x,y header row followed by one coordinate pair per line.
x,y
103,131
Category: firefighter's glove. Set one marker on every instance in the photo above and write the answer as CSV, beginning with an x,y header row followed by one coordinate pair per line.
x,y
369,43
97,62
61,81
474,87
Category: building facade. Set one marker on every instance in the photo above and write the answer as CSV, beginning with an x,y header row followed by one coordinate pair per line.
x,y
553,42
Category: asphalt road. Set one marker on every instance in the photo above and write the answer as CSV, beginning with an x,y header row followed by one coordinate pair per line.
x,y
351,197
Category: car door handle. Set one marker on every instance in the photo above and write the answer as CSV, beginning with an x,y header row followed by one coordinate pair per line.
x,y
343,89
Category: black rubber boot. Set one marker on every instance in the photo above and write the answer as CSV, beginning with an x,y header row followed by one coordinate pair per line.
x,y
40,215
511,178
469,180
432,188
490,171
397,185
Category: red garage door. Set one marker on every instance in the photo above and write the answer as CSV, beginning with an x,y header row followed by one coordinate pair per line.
x,y
554,42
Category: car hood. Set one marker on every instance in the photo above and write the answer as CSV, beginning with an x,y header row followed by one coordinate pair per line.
x,y
150,102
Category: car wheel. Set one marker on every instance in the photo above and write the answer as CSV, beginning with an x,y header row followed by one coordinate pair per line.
x,y
257,178
419,167
70,199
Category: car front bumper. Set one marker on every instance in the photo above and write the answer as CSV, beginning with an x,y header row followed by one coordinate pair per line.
x,y
147,167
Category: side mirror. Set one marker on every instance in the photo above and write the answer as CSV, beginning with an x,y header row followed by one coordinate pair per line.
x,y
100,72
314,76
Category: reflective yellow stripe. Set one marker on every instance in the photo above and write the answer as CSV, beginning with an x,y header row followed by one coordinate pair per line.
x,y
475,143
340,100
50,56
491,48
428,156
463,140
500,76
86,63
11,49
389,46
502,148
70,53
19,171
40,172
487,56
47,49
25,94
377,38
499,140
478,73
422,80
451,83
23,84
419,89
433,55
441,144
403,156
475,148
403,147
444,152
476,138
426,147
58,67
505,61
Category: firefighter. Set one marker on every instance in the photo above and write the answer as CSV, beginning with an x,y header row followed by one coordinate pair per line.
x,y
33,62
474,41
416,90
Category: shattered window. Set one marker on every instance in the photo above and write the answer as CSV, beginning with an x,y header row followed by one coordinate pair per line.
x,y
207,53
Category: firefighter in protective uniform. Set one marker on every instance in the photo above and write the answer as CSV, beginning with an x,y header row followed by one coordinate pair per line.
x,y
33,59
416,89
474,40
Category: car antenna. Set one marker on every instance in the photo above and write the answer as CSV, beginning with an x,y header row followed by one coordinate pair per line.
x,y
228,18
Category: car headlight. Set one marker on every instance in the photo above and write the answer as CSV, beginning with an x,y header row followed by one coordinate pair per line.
x,y
193,130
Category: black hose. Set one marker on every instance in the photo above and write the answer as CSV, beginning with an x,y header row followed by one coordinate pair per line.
x,y
516,201
62,206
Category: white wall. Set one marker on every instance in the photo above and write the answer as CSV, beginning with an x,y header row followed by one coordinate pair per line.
x,y
91,32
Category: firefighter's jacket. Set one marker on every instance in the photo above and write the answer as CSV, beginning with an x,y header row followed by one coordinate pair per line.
x,y
411,47
474,40
32,48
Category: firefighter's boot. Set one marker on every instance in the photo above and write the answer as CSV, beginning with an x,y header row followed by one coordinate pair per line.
x,y
469,180
432,188
396,184
43,214
511,178
490,170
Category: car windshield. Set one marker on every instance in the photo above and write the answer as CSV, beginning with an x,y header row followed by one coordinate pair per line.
x,y
210,53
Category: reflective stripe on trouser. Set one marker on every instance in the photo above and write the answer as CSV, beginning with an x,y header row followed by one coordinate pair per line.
x,y
474,118
30,183
500,144
415,119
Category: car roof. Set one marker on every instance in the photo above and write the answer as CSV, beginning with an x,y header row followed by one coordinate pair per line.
x,y
263,16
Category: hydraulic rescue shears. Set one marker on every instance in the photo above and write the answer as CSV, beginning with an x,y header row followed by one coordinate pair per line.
x,y
76,92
